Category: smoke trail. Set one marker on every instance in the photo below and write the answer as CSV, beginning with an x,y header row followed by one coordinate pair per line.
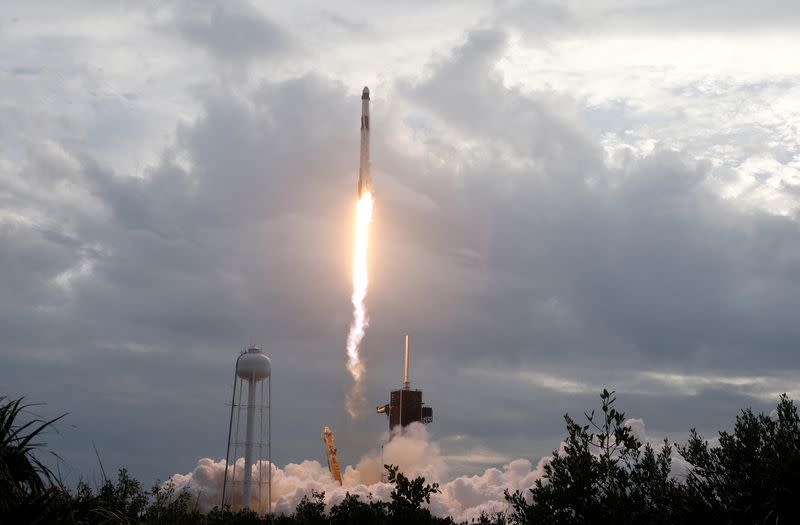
x,y
355,365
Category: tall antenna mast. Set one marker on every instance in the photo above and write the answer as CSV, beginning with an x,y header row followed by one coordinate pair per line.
x,y
405,377
405,406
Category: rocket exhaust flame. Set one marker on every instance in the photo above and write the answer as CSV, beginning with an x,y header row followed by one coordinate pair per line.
x,y
355,365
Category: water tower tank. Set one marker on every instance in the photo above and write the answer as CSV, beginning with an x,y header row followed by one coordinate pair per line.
x,y
253,365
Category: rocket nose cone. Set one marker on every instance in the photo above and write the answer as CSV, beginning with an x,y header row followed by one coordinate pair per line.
x,y
365,93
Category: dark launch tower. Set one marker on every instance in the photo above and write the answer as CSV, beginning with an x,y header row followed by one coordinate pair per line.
x,y
405,405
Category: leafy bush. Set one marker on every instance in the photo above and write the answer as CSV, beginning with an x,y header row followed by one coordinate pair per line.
x,y
26,483
604,475
753,476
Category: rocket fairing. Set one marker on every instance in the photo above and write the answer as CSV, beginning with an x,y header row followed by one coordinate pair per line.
x,y
364,177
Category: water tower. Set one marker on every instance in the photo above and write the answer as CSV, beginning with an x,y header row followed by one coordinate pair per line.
x,y
252,373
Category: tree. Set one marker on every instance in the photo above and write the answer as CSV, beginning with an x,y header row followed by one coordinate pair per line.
x,y
353,511
604,475
311,511
408,496
167,507
753,476
26,483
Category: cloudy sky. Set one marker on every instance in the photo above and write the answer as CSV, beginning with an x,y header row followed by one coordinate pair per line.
x,y
567,198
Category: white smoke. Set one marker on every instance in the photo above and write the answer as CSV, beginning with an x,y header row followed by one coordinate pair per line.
x,y
463,498
411,450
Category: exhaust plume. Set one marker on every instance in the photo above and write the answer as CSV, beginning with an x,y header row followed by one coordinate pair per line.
x,y
462,498
355,364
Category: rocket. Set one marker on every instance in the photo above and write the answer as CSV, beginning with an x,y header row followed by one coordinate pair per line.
x,y
364,178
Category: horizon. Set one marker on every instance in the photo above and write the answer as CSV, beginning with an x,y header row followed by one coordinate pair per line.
x,y
566,198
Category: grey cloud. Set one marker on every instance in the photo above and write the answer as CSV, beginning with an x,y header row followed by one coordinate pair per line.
x,y
356,27
529,252
194,264
232,31
548,19
542,129
542,19
707,16
645,262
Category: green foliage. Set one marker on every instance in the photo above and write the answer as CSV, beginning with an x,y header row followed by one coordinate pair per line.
x,y
167,507
126,497
243,517
753,476
496,519
407,498
604,475
311,511
353,511
21,471
26,483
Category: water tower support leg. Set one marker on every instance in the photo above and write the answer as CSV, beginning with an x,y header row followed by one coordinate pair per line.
x,y
248,443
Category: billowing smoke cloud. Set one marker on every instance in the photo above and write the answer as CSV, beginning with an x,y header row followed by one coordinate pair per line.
x,y
463,498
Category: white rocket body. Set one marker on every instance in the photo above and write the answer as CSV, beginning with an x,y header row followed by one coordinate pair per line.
x,y
364,177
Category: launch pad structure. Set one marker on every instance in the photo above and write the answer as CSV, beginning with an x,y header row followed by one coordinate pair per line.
x,y
405,405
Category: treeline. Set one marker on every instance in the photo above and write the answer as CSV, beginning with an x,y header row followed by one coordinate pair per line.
x,y
603,475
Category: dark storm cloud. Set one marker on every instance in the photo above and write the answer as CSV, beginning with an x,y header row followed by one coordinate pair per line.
x,y
242,190
642,261
190,265
502,240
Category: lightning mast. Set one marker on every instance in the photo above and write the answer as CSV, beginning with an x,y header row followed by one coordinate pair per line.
x,y
405,406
